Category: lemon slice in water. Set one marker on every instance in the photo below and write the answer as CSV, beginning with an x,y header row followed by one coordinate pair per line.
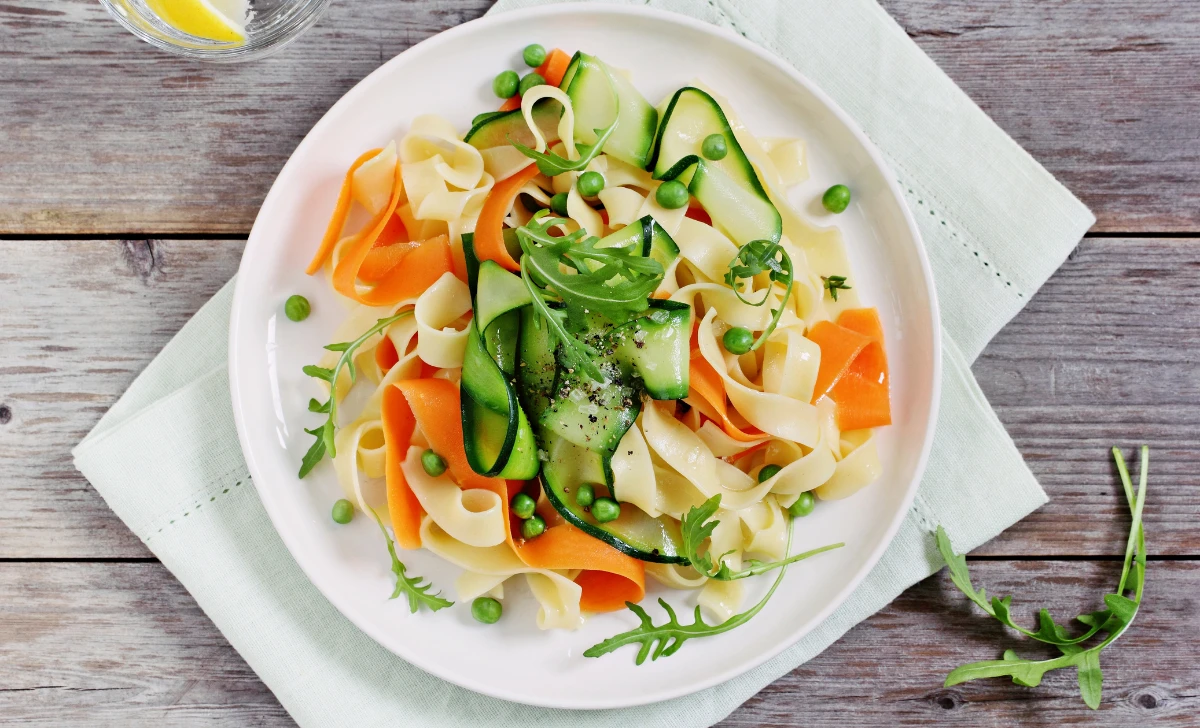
x,y
219,20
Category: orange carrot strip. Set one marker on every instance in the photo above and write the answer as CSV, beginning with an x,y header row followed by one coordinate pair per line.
x,y
748,451
345,273
458,259
381,260
555,66
386,355
698,214
610,578
334,230
489,230
417,271
405,509
707,384
839,346
861,394
512,103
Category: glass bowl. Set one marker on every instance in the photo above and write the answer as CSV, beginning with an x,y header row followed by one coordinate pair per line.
x,y
273,24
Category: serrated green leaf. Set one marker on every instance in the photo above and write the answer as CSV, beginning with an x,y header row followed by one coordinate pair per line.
x,y
325,443
415,588
1090,678
317,372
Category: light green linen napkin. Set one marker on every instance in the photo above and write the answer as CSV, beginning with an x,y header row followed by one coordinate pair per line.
x,y
996,225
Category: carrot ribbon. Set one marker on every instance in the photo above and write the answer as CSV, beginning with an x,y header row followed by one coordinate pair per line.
x,y
489,230
609,577
853,371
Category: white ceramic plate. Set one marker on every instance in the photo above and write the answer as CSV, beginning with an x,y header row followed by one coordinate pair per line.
x,y
450,75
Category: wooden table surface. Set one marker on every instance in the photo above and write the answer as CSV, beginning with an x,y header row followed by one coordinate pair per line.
x,y
129,180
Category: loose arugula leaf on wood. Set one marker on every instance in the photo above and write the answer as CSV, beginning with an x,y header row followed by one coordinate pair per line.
x,y
1119,615
417,593
324,434
696,529
753,258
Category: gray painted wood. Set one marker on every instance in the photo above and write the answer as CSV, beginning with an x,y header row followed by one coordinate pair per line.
x,y
124,644
1079,370
1103,93
101,135
103,138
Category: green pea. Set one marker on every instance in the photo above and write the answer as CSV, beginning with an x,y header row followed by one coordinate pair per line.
x,y
533,527
836,199
297,308
534,55
529,81
768,472
433,463
606,509
714,147
486,610
523,505
343,511
590,184
506,83
738,340
803,505
585,494
672,194
558,204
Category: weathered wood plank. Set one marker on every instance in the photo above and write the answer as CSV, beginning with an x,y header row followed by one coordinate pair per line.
x,y
1104,355
102,134
124,644
1079,370
1104,94
78,321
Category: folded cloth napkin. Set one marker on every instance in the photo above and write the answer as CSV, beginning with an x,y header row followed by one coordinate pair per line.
x,y
996,225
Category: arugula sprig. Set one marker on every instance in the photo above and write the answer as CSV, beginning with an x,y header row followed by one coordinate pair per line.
x,y
664,640
1113,620
696,529
833,284
615,282
324,433
411,586
551,164
753,258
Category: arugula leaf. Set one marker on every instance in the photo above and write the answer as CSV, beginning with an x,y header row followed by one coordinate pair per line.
x,y
665,639
695,529
615,282
324,434
833,284
551,164
1113,621
417,593
753,258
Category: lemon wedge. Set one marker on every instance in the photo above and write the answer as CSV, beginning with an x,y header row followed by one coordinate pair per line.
x,y
219,20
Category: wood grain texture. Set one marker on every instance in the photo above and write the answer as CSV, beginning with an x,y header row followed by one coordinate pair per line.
x,y
102,135
78,321
1105,94
1079,370
124,644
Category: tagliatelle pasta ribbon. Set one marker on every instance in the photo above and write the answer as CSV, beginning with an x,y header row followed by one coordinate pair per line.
x,y
707,384
609,578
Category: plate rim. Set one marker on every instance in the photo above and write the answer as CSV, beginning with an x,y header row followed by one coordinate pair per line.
x,y
721,34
